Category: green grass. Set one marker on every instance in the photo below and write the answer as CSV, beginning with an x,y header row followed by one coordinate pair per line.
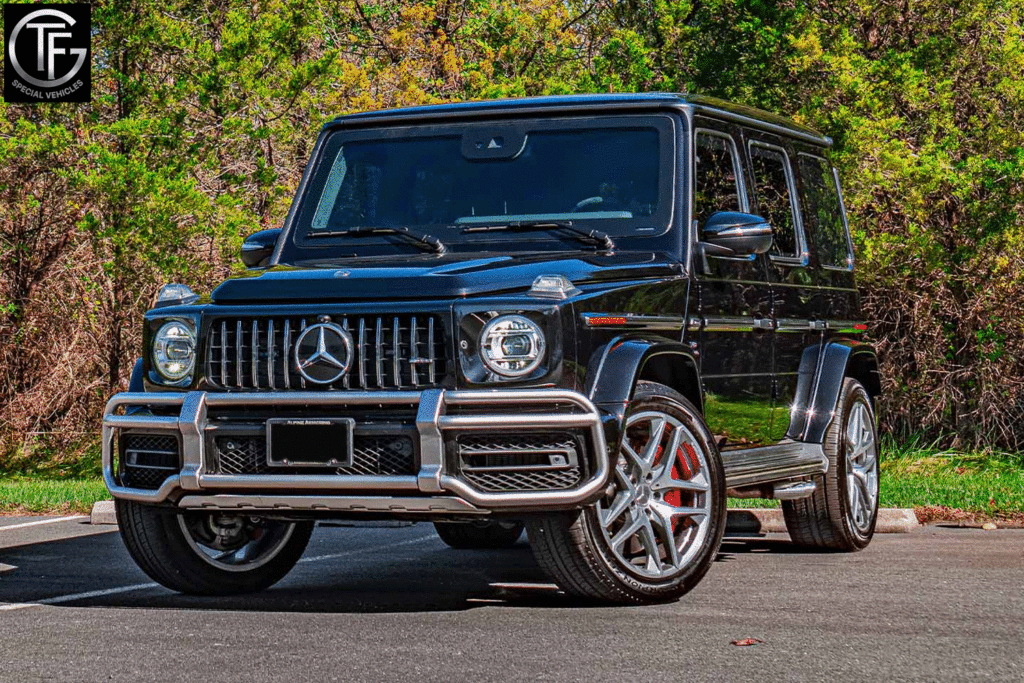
x,y
913,476
917,476
990,483
63,496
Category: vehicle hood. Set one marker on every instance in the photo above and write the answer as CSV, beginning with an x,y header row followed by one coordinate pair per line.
x,y
432,277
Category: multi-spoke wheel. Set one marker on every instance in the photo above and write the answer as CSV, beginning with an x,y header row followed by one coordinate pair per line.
x,y
489,533
210,553
655,532
656,518
841,513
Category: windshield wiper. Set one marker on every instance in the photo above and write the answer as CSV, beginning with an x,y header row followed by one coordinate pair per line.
x,y
595,237
426,241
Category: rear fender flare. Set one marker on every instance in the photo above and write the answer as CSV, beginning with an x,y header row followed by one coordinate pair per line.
x,y
822,371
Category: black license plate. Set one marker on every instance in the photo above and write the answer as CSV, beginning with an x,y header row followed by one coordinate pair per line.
x,y
310,442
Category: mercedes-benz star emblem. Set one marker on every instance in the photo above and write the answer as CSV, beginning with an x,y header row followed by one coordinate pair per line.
x,y
323,353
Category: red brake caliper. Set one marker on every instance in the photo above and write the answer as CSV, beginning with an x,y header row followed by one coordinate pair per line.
x,y
686,466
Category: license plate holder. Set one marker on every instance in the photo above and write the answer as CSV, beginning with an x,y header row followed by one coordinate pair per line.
x,y
310,442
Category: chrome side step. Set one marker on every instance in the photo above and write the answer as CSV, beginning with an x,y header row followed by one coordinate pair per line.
x,y
770,464
794,491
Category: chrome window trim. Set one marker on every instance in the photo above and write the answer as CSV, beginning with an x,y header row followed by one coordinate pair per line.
x,y
802,256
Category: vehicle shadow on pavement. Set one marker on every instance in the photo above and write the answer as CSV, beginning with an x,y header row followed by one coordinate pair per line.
x,y
419,576
427,578
742,545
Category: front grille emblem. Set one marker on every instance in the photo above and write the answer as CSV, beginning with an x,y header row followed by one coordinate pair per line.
x,y
323,353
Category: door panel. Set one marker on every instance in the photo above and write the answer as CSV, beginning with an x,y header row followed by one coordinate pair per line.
x,y
736,354
734,304
799,306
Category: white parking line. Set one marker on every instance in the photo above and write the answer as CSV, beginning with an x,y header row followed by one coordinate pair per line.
x,y
43,521
7,607
347,553
76,596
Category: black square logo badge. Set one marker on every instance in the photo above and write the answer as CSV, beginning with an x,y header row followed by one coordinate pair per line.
x,y
47,56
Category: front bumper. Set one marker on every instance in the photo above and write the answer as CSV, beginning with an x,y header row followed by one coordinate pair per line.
x,y
431,491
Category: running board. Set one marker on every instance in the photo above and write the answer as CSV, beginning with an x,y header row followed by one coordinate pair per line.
x,y
786,460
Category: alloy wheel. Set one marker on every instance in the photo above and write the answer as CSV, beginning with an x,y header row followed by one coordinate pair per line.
x,y
656,513
861,467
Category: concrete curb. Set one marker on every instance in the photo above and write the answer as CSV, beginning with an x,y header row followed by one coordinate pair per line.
x,y
769,520
103,513
743,522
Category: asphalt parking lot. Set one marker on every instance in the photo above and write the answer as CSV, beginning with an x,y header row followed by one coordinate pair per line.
x,y
375,604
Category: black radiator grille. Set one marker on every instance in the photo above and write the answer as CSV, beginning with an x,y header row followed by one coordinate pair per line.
x,y
372,454
389,352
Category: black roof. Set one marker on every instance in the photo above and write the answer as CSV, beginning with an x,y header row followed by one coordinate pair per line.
x,y
562,103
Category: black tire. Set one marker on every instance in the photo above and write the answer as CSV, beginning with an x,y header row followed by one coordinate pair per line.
x,y
481,534
578,549
161,544
828,520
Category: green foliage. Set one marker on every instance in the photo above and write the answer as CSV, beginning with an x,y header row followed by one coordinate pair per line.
x,y
925,103
203,117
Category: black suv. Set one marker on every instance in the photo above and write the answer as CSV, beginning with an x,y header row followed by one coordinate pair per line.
x,y
594,316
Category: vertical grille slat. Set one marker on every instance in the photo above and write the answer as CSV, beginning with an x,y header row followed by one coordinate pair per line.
x,y
390,352
287,343
430,350
380,352
396,342
270,353
238,355
255,354
361,357
302,380
414,353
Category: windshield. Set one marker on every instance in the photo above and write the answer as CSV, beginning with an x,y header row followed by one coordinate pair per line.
x,y
613,174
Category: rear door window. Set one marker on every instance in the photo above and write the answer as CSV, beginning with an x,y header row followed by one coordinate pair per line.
x,y
823,212
775,195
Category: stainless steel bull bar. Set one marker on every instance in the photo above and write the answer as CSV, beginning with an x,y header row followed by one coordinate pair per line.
x,y
432,422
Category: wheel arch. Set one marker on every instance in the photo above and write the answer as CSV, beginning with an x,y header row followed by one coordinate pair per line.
x,y
821,380
616,367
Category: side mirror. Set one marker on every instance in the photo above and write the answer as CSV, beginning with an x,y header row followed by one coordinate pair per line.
x,y
731,233
258,247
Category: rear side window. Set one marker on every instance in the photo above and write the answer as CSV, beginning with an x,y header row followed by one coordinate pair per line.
x,y
823,212
773,187
714,181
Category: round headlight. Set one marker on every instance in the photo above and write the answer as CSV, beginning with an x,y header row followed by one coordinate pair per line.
x,y
512,346
174,351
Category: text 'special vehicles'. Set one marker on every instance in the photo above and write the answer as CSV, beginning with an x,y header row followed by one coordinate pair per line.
x,y
592,316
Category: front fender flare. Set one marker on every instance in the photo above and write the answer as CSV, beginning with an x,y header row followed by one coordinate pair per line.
x,y
614,368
